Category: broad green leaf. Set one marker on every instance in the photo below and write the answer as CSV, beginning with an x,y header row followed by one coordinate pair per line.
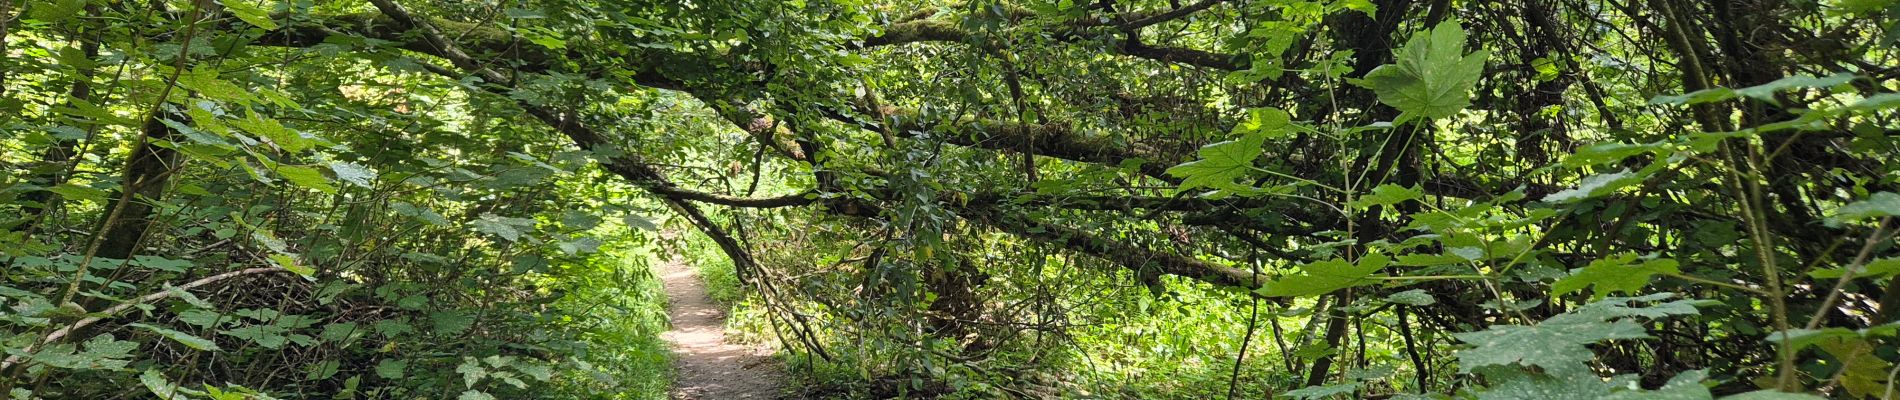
x,y
1557,344
321,370
202,318
1321,392
1614,274
162,264
275,132
251,14
538,371
204,80
1432,77
1221,164
1878,205
268,336
1268,121
353,173
157,383
1864,374
1875,269
1595,186
80,192
639,222
1771,394
1385,195
579,220
1414,297
103,352
290,264
1325,276
419,213
1685,386
391,368
54,10
451,322
1606,152
189,340
472,371
1764,92
586,245
506,227
306,177
474,395
1561,387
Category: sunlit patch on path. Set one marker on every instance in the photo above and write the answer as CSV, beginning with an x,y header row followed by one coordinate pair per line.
x,y
708,367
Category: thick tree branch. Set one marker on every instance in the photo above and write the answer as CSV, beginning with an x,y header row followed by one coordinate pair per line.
x,y
937,30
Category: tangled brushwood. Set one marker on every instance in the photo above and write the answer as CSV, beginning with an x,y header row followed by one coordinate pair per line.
x,y
1527,199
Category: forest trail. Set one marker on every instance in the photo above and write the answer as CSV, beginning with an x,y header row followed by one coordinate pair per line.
x,y
707,366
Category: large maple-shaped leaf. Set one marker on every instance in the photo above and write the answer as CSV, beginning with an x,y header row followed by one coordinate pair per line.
x,y
1556,346
1326,276
1614,274
1432,76
1221,164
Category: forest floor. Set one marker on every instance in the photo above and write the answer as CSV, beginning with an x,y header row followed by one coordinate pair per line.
x,y
707,366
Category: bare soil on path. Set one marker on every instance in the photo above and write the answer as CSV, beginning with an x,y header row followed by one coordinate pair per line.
x,y
706,366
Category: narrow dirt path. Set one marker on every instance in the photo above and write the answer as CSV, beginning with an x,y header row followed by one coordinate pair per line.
x,y
707,367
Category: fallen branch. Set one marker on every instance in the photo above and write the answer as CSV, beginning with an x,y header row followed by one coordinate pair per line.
x,y
62,332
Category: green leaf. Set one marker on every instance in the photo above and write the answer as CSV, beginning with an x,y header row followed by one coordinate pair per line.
x,y
452,322
423,214
586,245
290,264
306,177
353,173
268,336
55,10
155,381
1764,92
1863,373
1563,387
1432,77
161,263
201,318
102,352
251,14
1685,386
189,340
1385,195
1325,276
474,395
1595,186
204,80
1220,164
275,132
538,371
1878,205
1614,274
1606,152
1771,394
321,370
505,227
1321,392
1875,269
472,371
1557,344
80,192
1414,297
639,222
391,369
1268,121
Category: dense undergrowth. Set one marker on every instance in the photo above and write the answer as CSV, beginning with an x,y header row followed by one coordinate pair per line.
x,y
1309,199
